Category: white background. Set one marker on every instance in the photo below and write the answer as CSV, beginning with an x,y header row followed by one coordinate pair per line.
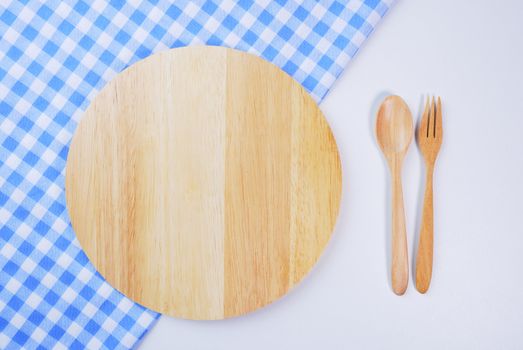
x,y
471,54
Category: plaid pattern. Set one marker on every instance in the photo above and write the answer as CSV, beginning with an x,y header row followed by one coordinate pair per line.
x,y
54,57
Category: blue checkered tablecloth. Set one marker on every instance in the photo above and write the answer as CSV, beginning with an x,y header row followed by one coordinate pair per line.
x,y
54,57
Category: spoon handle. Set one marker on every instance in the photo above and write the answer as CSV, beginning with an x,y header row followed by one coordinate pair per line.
x,y
426,237
400,265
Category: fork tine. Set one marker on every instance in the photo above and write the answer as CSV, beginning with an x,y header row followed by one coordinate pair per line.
x,y
433,120
422,130
430,121
438,120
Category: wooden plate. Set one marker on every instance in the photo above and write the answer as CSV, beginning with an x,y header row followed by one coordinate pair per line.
x,y
203,182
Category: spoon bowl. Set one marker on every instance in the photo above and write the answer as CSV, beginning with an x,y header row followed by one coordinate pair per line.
x,y
394,126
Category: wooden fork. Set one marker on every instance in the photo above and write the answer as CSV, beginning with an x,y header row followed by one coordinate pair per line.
x,y
430,135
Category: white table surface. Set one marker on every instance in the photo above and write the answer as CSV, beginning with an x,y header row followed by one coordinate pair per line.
x,y
471,53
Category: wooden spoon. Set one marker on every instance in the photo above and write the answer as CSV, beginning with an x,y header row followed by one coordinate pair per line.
x,y
394,130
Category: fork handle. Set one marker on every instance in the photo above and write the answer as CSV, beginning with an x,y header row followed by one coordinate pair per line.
x,y
426,237
400,264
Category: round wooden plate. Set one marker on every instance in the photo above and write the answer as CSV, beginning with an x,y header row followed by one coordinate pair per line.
x,y
203,182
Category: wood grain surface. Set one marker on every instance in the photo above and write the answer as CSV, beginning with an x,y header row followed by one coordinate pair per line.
x,y
203,182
